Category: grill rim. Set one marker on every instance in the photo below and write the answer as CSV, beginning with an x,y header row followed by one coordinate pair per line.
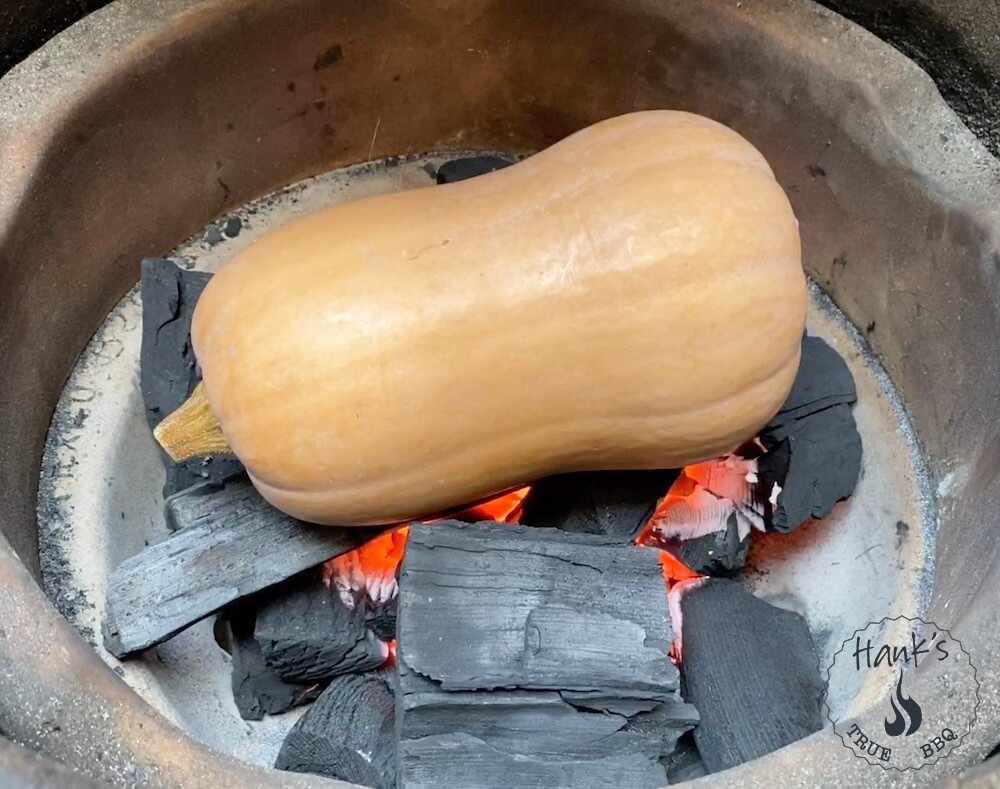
x,y
69,72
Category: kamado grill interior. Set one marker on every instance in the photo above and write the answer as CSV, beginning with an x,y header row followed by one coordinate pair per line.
x,y
162,625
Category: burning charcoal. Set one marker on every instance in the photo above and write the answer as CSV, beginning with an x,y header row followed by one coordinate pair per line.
x,y
807,459
231,543
257,689
706,518
347,734
381,618
306,632
751,670
564,678
368,575
167,365
469,167
615,503
718,553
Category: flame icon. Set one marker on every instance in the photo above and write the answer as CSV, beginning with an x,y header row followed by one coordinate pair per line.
x,y
907,708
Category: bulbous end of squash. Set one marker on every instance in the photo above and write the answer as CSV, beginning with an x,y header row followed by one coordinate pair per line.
x,y
192,430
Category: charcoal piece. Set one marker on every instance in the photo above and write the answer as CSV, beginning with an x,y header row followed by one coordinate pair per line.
x,y
470,166
167,367
823,381
232,227
566,674
449,761
813,446
751,670
176,506
306,632
615,503
381,618
348,733
816,460
257,689
231,543
685,763
719,553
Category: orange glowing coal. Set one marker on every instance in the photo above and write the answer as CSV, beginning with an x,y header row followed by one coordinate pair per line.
x,y
371,569
701,499
704,498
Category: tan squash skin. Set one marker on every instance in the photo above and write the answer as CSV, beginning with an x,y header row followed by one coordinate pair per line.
x,y
632,297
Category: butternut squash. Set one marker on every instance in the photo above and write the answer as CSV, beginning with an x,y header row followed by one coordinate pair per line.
x,y
632,297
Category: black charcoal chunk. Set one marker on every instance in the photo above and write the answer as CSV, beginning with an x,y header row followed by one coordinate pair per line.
x,y
614,503
685,763
347,734
470,166
381,618
232,227
168,371
307,633
813,445
228,544
817,462
751,670
550,670
257,689
718,553
823,380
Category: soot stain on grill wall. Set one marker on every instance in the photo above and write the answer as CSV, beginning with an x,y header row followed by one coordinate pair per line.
x,y
57,516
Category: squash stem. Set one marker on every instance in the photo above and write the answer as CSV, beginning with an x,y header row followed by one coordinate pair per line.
x,y
192,430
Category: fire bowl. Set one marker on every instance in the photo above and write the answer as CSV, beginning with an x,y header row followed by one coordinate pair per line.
x,y
138,126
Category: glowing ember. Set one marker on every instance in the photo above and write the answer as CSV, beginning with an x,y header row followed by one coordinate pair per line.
x,y
676,619
704,498
506,508
674,570
368,570
371,569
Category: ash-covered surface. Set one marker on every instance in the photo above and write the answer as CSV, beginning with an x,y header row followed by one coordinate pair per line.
x,y
55,512
64,471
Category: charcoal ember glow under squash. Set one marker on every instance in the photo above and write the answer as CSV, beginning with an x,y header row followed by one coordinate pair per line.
x,y
632,297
